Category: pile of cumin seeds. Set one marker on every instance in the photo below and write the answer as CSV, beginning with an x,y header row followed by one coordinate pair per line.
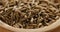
x,y
29,14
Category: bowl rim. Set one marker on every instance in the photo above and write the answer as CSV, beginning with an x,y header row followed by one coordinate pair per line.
x,y
47,28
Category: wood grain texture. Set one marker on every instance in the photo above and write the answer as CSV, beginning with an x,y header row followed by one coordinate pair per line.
x,y
55,30
4,30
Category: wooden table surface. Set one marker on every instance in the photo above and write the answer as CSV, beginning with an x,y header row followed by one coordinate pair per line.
x,y
4,30
55,30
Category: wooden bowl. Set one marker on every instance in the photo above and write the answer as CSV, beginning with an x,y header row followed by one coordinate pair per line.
x,y
47,28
